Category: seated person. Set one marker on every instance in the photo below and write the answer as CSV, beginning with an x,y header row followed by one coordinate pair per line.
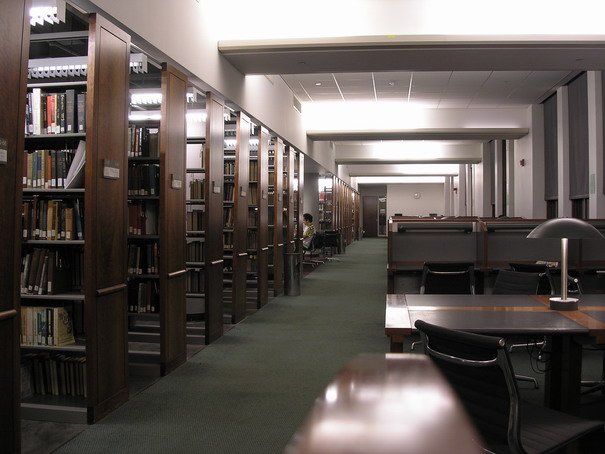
x,y
308,230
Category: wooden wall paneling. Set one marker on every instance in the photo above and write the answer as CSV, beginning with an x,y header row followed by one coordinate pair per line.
x,y
14,34
240,208
173,143
278,222
106,218
263,218
213,217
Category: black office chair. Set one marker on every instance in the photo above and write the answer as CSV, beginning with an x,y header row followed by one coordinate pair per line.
x,y
546,284
448,278
480,371
311,254
516,283
519,283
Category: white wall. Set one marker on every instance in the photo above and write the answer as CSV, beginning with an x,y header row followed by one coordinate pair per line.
x,y
311,197
400,199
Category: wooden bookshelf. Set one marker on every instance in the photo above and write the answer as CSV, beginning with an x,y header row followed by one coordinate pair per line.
x,y
14,34
288,199
158,154
299,191
275,209
98,275
258,231
235,214
213,217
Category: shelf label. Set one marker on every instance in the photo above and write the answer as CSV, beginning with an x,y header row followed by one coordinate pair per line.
x,y
111,169
264,194
175,183
3,151
242,192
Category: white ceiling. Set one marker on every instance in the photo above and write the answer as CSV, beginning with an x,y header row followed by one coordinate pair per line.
x,y
434,72
431,89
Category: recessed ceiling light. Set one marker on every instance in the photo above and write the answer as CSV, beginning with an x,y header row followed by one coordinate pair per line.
x,y
391,84
318,84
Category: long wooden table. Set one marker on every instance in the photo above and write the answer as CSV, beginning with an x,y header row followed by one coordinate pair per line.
x,y
510,315
383,404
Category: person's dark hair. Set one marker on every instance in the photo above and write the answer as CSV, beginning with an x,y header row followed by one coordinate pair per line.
x,y
308,217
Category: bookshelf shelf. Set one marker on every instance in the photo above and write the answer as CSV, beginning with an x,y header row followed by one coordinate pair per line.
x,y
73,348
143,160
195,201
143,237
199,170
53,191
68,409
143,276
54,242
57,297
80,83
143,197
73,135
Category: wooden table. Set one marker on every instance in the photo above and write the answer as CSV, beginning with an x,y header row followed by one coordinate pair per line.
x,y
393,403
510,315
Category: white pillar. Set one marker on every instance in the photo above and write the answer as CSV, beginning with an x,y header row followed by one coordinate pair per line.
x,y
563,152
470,183
596,198
510,177
462,190
483,183
447,197
499,183
536,189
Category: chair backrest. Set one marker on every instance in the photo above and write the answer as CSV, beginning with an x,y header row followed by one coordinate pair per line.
x,y
516,283
479,370
317,241
448,278
546,285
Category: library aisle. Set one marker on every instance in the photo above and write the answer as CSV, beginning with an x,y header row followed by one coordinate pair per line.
x,y
250,390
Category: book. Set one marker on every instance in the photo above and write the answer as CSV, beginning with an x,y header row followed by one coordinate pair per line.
x,y
70,111
81,111
75,175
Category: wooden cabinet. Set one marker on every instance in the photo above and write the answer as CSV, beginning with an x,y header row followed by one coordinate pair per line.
x,y
14,35
87,379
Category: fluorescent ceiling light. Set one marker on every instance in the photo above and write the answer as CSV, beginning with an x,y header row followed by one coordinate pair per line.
x,y
398,180
197,116
43,68
138,63
145,97
50,11
145,116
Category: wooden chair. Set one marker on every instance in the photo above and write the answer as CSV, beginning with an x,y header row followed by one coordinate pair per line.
x,y
479,369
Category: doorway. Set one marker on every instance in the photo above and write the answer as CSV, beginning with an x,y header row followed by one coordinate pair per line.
x,y
370,216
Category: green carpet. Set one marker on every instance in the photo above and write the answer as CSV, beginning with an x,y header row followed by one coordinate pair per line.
x,y
253,388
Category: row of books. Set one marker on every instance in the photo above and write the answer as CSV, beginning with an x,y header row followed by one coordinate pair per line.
x,y
55,113
50,272
144,179
253,169
143,297
46,169
228,217
55,375
143,259
252,196
143,218
229,191
195,219
253,217
144,142
52,219
49,326
195,251
229,167
252,264
195,281
252,239
196,189
228,241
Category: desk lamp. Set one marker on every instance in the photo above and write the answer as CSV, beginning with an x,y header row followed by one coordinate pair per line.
x,y
565,229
